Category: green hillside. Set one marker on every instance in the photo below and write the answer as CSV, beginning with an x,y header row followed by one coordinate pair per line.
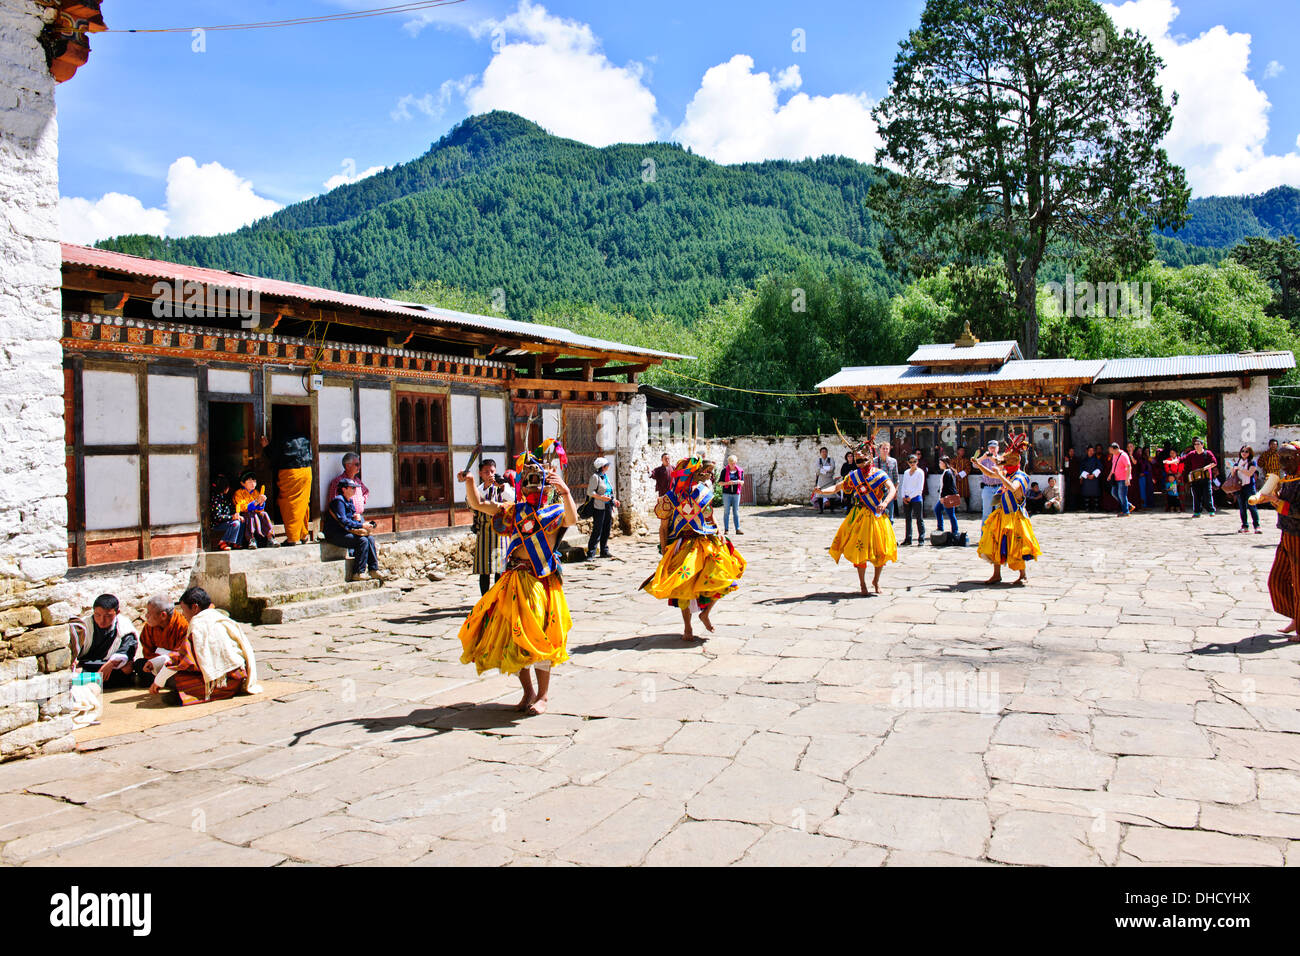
x,y
500,204
1220,222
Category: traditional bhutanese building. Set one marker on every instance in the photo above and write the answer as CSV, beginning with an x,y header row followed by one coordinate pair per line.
x,y
172,374
970,392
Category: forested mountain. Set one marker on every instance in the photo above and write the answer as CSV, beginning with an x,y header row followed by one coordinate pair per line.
x,y
500,204
1223,221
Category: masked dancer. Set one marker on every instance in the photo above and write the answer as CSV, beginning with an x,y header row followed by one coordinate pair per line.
x,y
699,563
1008,537
866,535
522,623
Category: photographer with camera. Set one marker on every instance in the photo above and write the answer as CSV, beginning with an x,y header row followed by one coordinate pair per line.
x,y
343,528
489,547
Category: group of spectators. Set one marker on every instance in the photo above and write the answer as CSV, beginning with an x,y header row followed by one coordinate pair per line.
x,y
1133,478
239,516
187,648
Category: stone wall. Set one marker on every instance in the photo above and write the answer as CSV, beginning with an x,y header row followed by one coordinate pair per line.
x,y
1090,423
33,511
1246,418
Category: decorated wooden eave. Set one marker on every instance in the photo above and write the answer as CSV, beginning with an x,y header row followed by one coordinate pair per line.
x,y
539,357
66,37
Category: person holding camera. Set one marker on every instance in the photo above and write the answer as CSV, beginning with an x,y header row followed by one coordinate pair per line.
x,y
343,528
601,494
489,558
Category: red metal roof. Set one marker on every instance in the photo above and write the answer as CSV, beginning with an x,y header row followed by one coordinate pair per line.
x,y
88,257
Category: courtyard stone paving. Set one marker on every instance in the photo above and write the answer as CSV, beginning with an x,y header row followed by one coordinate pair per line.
x,y
1134,705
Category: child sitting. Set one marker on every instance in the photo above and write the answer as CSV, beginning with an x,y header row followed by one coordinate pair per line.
x,y
251,506
226,522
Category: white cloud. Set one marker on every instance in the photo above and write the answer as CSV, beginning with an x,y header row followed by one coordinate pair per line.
x,y
427,104
201,201
1273,69
736,116
552,71
208,200
86,221
350,174
1221,120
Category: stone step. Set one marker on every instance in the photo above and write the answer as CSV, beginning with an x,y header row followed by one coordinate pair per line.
x,y
284,613
268,582
262,558
258,602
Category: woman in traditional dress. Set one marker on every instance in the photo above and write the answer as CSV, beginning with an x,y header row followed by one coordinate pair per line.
x,y
866,535
1008,537
962,468
1284,577
522,623
699,563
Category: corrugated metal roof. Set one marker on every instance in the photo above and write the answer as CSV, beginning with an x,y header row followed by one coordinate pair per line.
x,y
1017,370
979,352
1196,366
158,269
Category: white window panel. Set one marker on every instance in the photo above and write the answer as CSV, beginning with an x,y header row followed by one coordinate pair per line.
x,y
377,473
499,456
459,459
334,421
493,410
376,417
550,424
110,409
464,420
288,384
173,410
173,489
329,465
112,492
231,380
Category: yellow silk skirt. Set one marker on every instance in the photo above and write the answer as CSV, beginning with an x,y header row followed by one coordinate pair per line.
x,y
295,497
700,568
865,538
1008,539
522,620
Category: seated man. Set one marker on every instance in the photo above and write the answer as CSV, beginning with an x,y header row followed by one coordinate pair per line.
x,y
1034,499
1052,499
165,632
215,662
352,472
343,528
105,642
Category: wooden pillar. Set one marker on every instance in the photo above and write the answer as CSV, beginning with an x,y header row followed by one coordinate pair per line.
x,y
1118,422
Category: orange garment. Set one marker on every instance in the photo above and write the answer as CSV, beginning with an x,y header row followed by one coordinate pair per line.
x,y
244,498
170,637
295,497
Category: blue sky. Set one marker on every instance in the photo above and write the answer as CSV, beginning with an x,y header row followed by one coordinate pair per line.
x,y
155,136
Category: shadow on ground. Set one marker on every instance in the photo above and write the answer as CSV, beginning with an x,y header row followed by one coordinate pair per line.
x,y
1248,645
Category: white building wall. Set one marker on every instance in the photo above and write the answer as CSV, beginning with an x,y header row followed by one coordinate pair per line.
x,y
33,484
1245,417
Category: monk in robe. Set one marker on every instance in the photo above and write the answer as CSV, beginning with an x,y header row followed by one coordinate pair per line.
x,y
215,663
165,631
291,458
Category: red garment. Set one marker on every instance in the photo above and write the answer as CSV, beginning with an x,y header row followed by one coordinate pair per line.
x,y
188,680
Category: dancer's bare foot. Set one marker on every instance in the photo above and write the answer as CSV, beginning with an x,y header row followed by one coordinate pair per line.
x,y
525,702
704,619
538,706
1290,628
1022,580
996,579
875,581
688,634
864,588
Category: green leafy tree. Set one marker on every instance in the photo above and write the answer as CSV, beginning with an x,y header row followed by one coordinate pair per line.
x,y
1017,123
1278,262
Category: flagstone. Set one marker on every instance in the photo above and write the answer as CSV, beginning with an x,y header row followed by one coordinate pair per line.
x,y
909,823
1030,838
1215,781
1153,845
1150,736
762,795
704,843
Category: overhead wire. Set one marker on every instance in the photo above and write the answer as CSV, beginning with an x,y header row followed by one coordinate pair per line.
x,y
301,21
